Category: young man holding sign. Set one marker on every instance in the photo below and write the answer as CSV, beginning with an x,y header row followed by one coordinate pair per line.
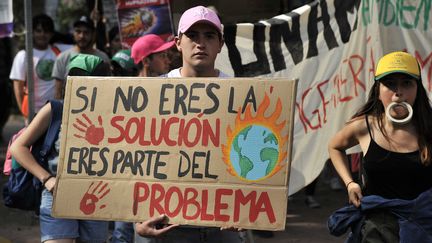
x,y
199,40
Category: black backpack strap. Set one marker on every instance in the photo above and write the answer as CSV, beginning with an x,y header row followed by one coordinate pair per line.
x,y
54,126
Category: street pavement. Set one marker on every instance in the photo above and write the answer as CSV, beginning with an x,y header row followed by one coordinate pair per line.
x,y
303,224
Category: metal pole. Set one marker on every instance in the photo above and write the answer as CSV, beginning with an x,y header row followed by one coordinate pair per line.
x,y
29,56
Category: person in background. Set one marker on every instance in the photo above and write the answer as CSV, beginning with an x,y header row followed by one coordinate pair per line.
x,y
150,55
199,40
84,36
44,56
88,65
114,41
394,133
56,230
123,65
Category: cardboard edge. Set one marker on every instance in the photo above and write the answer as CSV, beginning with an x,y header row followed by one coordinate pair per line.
x,y
63,132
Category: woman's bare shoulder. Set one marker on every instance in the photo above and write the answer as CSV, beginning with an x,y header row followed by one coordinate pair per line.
x,y
359,125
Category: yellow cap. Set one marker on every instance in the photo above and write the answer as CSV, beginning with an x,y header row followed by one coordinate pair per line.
x,y
397,62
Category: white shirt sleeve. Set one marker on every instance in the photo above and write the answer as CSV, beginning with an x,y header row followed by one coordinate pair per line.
x,y
18,71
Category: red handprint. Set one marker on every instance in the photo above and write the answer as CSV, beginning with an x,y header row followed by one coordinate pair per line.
x,y
93,134
89,200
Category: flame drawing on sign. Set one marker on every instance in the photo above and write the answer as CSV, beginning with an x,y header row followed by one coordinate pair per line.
x,y
255,148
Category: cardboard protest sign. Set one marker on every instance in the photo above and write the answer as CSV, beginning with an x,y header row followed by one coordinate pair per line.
x,y
203,151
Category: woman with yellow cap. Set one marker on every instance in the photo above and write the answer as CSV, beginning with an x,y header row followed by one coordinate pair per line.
x,y
394,133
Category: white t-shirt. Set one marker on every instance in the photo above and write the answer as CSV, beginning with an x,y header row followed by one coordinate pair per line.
x,y
43,61
175,73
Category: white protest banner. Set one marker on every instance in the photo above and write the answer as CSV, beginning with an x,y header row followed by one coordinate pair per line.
x,y
331,47
203,151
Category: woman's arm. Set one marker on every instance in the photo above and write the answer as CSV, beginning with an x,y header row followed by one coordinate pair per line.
x,y
346,138
20,149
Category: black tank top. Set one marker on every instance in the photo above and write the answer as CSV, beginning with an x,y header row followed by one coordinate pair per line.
x,y
392,174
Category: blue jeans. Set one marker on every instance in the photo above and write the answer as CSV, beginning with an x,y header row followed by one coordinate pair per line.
x,y
123,232
56,228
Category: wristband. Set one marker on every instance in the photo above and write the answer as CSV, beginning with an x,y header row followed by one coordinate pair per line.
x,y
348,184
45,180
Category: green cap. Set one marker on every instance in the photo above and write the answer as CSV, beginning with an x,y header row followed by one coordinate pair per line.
x,y
124,59
85,62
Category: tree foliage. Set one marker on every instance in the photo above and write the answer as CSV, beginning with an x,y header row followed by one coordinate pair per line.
x,y
68,11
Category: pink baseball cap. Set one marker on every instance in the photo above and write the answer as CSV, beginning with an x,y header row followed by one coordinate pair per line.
x,y
197,14
148,44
